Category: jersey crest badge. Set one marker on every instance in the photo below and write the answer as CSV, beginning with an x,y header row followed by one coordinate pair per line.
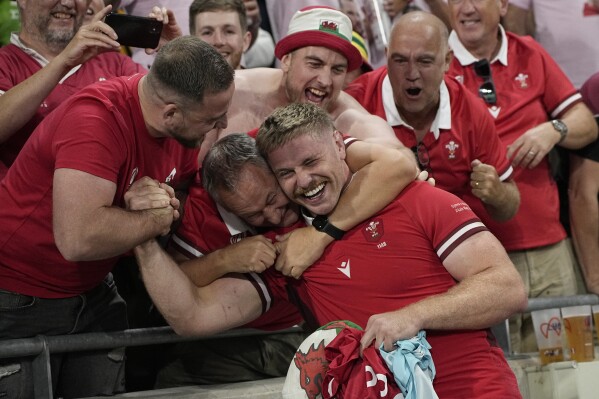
x,y
452,147
374,230
522,79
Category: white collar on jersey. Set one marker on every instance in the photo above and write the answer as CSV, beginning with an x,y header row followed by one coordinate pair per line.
x,y
466,58
442,118
234,222
14,39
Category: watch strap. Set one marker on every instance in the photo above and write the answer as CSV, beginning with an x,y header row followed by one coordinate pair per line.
x,y
321,223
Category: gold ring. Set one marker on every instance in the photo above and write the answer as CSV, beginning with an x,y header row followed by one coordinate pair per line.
x,y
532,153
475,184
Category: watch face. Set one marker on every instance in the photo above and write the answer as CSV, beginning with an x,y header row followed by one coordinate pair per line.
x,y
559,126
319,222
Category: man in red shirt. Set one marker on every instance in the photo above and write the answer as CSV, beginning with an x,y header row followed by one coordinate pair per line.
x,y
66,203
521,85
424,262
50,59
453,136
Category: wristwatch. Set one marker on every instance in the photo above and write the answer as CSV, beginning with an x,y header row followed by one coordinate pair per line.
x,y
321,223
561,128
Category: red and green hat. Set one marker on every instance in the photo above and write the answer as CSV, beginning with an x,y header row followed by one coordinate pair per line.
x,y
324,27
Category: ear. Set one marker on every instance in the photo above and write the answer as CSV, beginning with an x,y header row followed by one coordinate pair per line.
x,y
286,62
448,59
170,114
503,6
339,144
247,39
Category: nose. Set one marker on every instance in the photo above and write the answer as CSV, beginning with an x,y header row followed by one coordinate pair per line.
x,y
466,6
219,38
324,77
222,123
272,215
412,71
303,179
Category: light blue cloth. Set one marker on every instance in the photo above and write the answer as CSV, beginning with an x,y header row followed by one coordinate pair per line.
x,y
412,366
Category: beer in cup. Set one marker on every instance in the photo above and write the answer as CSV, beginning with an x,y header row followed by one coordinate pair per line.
x,y
579,332
548,331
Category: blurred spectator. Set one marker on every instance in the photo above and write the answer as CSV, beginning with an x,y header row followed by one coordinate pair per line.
x,y
223,25
396,8
358,42
351,9
49,60
521,85
567,30
584,193
180,9
261,53
9,20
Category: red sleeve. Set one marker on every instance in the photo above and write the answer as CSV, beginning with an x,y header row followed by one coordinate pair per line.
x,y
446,219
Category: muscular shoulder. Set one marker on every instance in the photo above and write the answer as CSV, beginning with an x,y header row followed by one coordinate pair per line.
x,y
256,80
346,106
254,98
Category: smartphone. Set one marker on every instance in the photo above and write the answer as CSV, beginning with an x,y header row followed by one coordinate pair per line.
x,y
135,31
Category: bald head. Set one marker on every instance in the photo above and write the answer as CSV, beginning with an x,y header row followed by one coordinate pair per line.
x,y
421,26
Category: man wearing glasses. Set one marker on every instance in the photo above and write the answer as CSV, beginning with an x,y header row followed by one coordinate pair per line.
x,y
521,86
452,135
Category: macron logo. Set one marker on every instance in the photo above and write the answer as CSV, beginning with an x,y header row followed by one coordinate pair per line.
x,y
494,110
345,268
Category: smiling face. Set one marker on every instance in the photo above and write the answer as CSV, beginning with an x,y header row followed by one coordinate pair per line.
x,y
223,31
51,23
476,22
311,170
314,74
258,199
417,59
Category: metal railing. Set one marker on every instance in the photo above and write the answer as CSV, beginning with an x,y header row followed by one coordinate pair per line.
x,y
41,347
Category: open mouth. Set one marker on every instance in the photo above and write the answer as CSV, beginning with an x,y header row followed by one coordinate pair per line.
x,y
315,95
315,192
413,91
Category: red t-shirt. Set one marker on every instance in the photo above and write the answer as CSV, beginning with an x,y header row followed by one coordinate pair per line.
x,y
100,131
395,259
17,66
530,87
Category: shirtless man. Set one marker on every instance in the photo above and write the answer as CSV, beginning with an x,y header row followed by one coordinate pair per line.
x,y
315,56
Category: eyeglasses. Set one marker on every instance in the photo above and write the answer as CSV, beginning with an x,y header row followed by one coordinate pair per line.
x,y
422,157
486,91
